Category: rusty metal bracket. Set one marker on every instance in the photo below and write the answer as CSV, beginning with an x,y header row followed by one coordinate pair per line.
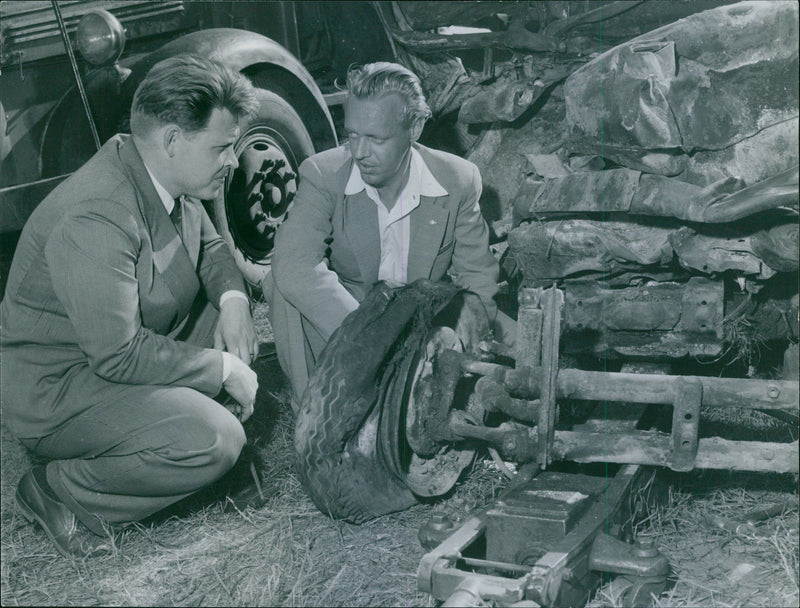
x,y
643,569
553,304
529,328
685,422
641,559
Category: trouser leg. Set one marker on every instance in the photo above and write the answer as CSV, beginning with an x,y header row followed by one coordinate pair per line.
x,y
297,343
139,451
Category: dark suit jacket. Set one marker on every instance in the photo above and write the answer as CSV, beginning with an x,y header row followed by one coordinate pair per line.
x,y
447,233
99,286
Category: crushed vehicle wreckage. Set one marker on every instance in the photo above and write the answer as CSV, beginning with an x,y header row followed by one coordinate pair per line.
x,y
640,170
645,202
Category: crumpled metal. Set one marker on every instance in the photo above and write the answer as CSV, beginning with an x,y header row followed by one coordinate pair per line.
x,y
571,247
704,83
637,193
506,101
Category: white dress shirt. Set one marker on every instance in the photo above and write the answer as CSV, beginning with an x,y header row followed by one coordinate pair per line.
x,y
395,225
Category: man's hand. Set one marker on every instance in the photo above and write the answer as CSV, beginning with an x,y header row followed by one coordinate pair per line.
x,y
241,385
235,332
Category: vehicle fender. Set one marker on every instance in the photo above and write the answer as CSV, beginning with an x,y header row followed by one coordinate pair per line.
x,y
66,142
247,52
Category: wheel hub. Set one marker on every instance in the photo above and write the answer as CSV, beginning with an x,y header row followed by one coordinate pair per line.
x,y
420,432
260,192
434,465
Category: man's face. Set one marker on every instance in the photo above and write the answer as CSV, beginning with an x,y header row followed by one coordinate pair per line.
x,y
378,141
204,158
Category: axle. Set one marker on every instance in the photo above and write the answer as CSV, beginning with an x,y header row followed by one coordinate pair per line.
x,y
527,394
639,388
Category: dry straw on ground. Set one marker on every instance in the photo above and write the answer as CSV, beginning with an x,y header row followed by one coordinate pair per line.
x,y
207,552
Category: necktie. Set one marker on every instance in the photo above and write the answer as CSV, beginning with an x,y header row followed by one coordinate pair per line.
x,y
176,216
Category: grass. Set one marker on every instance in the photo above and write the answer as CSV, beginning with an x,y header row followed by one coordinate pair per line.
x,y
209,551
284,553
716,567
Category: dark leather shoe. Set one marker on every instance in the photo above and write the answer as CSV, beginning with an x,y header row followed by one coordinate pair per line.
x,y
71,538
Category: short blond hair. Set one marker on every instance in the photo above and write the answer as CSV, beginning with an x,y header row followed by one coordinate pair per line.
x,y
375,79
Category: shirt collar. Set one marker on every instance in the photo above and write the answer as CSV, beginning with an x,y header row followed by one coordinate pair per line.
x,y
165,196
420,180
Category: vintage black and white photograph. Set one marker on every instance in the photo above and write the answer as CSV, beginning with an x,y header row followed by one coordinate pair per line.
x,y
400,303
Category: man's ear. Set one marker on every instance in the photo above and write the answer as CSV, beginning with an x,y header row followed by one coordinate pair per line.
x,y
170,136
416,130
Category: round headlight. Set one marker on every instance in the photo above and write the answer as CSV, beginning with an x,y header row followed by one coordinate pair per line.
x,y
100,37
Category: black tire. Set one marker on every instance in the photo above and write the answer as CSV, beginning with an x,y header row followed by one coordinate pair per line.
x,y
342,462
280,133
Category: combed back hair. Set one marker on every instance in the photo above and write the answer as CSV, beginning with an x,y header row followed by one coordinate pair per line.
x,y
184,90
376,79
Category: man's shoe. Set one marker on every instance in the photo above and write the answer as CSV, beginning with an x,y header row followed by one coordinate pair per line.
x,y
60,524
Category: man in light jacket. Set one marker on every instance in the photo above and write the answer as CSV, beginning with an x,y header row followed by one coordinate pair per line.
x,y
380,207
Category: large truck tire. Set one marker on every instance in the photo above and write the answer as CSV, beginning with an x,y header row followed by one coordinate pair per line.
x,y
259,194
351,412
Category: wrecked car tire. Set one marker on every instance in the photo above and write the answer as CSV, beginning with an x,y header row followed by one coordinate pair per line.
x,y
352,459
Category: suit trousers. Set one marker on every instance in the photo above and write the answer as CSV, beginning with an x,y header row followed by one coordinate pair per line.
x,y
297,341
140,448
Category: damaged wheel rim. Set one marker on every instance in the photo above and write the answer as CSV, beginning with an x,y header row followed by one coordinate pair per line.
x,y
429,467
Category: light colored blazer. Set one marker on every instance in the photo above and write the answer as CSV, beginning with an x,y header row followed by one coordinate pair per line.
x,y
99,286
447,233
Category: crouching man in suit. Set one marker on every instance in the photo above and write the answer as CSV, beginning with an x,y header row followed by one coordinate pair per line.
x,y
380,207
125,314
